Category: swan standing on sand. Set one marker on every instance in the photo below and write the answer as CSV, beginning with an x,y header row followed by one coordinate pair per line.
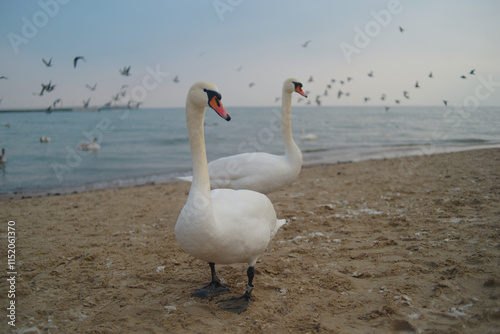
x,y
221,226
260,171
94,146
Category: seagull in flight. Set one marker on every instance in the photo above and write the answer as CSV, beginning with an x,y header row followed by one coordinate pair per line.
x,y
416,85
251,84
401,29
176,79
445,102
405,93
306,43
86,103
463,77
472,72
76,59
370,74
239,68
3,77
125,71
430,75
92,88
47,63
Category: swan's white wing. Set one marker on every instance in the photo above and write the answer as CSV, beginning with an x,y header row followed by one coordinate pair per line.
x,y
261,172
247,222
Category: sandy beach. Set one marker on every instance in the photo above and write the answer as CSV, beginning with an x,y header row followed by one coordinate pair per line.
x,y
404,245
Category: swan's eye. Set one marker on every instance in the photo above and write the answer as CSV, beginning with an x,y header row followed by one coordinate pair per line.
x,y
297,84
211,94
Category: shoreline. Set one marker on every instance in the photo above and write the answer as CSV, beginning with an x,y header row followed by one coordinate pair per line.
x,y
311,159
395,245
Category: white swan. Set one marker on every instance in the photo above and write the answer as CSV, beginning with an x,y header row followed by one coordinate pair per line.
x,y
260,171
94,146
307,136
44,139
222,226
3,157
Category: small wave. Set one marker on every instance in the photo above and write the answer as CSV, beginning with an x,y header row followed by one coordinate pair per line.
x,y
468,141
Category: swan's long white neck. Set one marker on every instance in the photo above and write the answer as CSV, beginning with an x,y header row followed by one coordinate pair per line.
x,y
292,151
199,193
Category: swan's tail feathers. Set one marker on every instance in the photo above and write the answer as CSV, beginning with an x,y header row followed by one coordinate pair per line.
x,y
185,178
279,223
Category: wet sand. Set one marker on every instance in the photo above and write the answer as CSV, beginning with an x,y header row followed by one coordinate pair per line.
x,y
397,245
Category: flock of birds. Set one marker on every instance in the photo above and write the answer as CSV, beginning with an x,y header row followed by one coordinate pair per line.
x,y
343,92
343,88
115,98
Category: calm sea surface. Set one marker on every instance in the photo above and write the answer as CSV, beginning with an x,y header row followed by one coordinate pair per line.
x,y
151,145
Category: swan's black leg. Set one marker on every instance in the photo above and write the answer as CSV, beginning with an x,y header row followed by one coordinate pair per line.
x,y
240,304
213,289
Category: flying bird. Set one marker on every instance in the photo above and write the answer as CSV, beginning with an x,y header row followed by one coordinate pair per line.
x,y
339,94
472,72
3,77
463,77
318,101
176,79
401,29
76,59
86,103
416,85
56,102
370,74
445,102
251,84
366,99
405,93
239,68
306,44
430,75
310,79
92,88
382,97
397,101
125,71
47,63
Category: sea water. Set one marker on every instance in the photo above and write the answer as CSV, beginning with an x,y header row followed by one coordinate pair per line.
x,y
151,145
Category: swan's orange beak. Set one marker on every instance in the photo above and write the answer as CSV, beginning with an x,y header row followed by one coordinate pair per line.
x,y
216,105
298,89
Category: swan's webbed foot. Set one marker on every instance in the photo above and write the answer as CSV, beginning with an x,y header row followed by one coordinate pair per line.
x,y
238,304
214,289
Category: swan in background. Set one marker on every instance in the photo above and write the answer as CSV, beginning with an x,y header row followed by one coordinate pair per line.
x,y
44,139
260,171
94,146
3,157
221,226
307,136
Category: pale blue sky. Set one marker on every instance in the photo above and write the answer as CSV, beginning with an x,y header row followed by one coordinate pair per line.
x,y
198,40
